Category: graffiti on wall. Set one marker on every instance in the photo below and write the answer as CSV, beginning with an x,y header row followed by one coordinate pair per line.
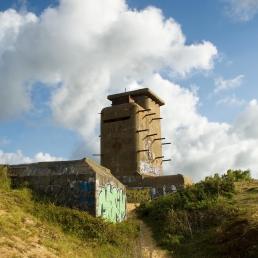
x,y
112,203
148,146
75,193
140,194
82,192
146,168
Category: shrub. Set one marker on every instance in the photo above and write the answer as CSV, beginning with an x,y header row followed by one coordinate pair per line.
x,y
194,212
238,175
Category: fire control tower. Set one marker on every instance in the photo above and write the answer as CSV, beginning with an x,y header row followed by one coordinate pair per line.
x,y
131,141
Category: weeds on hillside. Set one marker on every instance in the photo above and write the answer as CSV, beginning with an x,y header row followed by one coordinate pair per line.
x,y
205,219
102,238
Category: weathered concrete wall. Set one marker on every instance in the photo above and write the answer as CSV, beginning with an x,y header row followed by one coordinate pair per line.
x,y
151,187
77,183
131,135
131,145
118,141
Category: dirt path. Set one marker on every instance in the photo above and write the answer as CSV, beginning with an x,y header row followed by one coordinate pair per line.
x,y
149,247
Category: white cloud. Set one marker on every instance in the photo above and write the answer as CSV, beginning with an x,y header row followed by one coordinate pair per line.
x,y
89,56
19,158
253,102
243,10
14,96
198,147
231,101
89,49
222,84
246,123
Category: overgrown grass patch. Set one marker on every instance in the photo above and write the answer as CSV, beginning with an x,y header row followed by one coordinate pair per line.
x,y
212,218
31,216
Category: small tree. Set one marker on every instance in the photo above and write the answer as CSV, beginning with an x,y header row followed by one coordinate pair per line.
x,y
238,175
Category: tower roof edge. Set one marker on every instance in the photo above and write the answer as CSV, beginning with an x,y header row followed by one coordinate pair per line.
x,y
144,91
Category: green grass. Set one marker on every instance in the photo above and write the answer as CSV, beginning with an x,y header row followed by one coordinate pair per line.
x,y
29,220
217,217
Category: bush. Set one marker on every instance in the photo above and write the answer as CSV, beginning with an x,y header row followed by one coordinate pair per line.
x,y
180,215
81,224
198,196
238,175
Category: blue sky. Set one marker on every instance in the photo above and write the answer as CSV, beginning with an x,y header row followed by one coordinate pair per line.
x,y
60,59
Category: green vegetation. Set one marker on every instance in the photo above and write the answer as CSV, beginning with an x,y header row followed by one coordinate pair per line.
x,y
217,217
30,223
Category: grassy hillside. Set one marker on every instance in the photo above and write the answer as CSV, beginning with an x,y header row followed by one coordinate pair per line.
x,y
217,217
32,226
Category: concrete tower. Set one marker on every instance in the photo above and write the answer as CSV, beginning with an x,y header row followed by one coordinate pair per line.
x,y
131,142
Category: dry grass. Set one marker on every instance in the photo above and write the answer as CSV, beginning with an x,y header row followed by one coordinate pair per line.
x,y
23,235
29,228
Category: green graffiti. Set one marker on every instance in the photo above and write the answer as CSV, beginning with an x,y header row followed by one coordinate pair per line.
x,y
112,203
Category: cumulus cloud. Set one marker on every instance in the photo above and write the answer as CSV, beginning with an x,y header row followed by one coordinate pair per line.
x,y
242,10
87,57
85,50
15,78
198,147
246,123
221,84
201,148
19,158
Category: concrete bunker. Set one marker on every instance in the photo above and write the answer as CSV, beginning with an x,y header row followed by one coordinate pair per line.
x,y
131,162
81,184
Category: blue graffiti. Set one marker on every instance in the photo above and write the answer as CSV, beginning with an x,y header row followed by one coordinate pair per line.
x,y
85,186
86,189
83,191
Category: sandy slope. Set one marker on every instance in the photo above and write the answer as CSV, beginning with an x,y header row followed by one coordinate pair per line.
x,y
149,247
14,246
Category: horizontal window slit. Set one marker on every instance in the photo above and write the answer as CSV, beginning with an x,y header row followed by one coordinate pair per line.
x,y
116,119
